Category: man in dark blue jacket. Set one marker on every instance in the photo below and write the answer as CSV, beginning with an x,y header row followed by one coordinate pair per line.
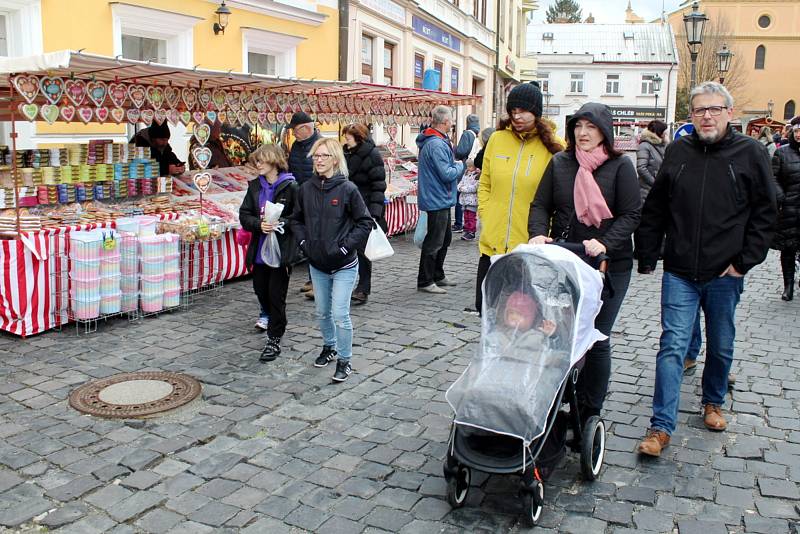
x,y
462,152
438,175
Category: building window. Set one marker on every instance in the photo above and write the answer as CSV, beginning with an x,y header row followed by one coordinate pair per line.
x,y
612,84
764,21
261,63
454,74
388,64
647,84
576,82
502,22
144,48
3,36
439,68
419,70
366,58
479,11
544,82
788,110
761,57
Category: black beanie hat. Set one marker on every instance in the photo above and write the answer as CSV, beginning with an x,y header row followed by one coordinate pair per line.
x,y
525,96
159,131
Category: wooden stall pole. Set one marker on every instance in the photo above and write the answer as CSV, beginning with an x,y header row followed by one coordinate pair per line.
x,y
14,170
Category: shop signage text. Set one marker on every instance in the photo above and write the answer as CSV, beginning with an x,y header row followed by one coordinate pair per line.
x,y
632,113
387,8
434,33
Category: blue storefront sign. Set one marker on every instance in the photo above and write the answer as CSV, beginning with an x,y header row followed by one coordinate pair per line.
x,y
434,33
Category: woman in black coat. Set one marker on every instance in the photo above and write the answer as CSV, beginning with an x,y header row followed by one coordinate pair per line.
x,y
786,168
604,227
276,185
366,170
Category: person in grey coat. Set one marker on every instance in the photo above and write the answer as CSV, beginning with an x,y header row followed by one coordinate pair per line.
x,y
650,155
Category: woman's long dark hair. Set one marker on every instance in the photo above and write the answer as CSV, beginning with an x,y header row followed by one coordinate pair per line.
x,y
546,133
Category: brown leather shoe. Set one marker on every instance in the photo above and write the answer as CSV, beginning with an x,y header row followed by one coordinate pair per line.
x,y
713,419
654,442
308,286
689,367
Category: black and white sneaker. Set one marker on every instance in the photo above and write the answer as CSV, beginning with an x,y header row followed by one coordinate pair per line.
x,y
325,357
271,350
343,370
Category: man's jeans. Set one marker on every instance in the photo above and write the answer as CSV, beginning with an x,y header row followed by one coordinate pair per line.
x,y
681,300
459,215
697,340
332,298
434,248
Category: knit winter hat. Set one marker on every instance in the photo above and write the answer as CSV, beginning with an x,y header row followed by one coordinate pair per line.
x,y
521,311
525,96
159,131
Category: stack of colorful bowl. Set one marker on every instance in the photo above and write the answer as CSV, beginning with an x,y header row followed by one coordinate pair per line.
x,y
84,273
172,270
152,268
110,273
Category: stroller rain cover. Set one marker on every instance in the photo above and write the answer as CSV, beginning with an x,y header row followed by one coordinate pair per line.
x,y
539,307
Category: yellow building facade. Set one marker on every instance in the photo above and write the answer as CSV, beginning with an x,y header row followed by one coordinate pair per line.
x,y
765,36
297,38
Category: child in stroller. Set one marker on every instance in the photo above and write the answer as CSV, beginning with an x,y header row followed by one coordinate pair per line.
x,y
538,322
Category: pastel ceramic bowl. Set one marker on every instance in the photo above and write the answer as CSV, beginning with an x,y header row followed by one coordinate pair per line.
x,y
85,309
152,303
172,298
111,303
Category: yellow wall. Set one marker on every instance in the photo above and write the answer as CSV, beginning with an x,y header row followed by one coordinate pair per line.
x,y
780,78
88,24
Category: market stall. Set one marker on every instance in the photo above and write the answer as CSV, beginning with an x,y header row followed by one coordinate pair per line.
x,y
47,194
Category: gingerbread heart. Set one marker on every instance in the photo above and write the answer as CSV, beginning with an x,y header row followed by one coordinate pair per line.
x,y
212,116
85,114
68,113
202,180
27,87
185,117
271,118
147,116
172,96
232,100
222,116
202,132
252,117
204,96
199,116
189,96
219,97
172,116
260,103
241,117
272,102
202,155
118,115
160,115
52,88
137,94
246,99
118,93
280,116
49,112
262,118
29,111
133,115
101,113
75,91
281,101
97,92
155,95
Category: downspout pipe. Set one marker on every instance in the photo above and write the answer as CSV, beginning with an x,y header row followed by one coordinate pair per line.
x,y
496,110
344,37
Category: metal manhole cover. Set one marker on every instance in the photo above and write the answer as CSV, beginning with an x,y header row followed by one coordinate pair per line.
x,y
130,395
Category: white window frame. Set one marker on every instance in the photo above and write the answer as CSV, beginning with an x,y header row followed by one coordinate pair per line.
x,y
176,29
577,83
280,45
613,81
647,79
274,62
544,81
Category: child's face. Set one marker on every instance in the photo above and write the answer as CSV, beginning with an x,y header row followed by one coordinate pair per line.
x,y
516,320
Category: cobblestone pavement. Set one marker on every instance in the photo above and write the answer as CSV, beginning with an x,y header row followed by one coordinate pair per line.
x,y
276,448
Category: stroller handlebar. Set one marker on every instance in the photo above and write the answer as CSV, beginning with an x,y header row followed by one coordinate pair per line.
x,y
599,262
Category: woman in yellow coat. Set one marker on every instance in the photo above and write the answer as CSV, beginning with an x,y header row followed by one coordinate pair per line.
x,y
513,164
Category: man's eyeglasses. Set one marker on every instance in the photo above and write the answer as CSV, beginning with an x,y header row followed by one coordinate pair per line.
x,y
321,156
714,111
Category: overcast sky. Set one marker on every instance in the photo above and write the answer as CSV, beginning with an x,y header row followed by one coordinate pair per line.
x,y
613,11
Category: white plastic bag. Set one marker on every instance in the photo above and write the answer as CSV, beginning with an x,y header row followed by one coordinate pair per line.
x,y
422,229
270,251
378,246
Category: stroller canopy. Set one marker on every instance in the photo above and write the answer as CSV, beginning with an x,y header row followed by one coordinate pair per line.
x,y
539,307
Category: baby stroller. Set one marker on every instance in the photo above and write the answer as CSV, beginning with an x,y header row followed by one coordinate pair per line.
x,y
539,307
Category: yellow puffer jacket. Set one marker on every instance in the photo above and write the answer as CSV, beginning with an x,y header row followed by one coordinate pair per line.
x,y
512,169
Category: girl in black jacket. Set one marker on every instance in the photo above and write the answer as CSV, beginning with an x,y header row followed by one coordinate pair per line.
x,y
603,226
270,284
786,168
365,169
332,224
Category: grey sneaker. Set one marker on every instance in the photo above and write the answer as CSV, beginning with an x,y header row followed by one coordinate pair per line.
x,y
325,357
433,288
445,282
343,370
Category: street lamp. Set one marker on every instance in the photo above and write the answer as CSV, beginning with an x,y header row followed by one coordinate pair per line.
x,y
222,14
656,88
695,23
724,57
770,107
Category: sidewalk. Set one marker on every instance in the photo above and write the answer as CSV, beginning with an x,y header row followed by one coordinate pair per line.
x,y
276,448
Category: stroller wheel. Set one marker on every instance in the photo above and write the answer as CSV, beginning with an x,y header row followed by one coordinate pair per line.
x,y
458,486
593,447
533,503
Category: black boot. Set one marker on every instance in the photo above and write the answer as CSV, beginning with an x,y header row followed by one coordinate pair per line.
x,y
788,267
271,350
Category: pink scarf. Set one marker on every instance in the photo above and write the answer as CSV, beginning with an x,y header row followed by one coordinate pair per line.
x,y
590,206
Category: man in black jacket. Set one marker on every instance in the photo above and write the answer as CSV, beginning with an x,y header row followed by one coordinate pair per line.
x,y
714,198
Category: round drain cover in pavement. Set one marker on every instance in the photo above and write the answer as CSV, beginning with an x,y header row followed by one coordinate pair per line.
x,y
130,395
